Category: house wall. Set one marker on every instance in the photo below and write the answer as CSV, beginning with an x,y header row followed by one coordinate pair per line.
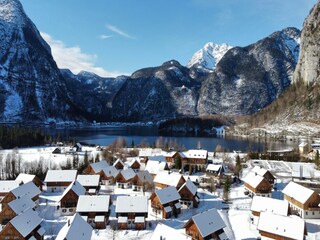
x,y
273,236
135,165
68,203
8,198
118,166
187,196
269,177
6,214
56,186
192,230
10,232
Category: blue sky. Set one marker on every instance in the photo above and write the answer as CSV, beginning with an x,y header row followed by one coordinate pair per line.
x,y
119,37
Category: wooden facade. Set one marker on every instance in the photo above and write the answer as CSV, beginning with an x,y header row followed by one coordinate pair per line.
x,y
187,196
312,203
6,215
263,188
119,165
177,186
10,197
135,165
193,231
68,203
9,232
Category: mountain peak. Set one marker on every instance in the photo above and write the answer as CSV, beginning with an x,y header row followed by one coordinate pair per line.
x,y
11,11
208,57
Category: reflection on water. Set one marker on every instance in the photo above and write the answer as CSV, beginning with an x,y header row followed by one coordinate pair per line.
x,y
106,136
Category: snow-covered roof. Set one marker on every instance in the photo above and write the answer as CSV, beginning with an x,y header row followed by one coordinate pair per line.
x,y
154,166
76,187
290,227
213,167
190,185
88,180
265,204
303,144
7,185
98,203
132,204
159,158
61,176
75,228
259,170
145,176
118,161
22,204
111,171
168,194
147,152
128,173
298,192
98,166
208,222
168,178
168,154
163,231
28,189
23,177
26,222
253,179
195,153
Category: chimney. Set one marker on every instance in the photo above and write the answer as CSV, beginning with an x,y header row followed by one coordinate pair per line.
x,y
69,223
301,172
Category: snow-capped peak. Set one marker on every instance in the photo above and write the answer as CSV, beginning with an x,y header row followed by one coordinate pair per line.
x,y
11,11
209,56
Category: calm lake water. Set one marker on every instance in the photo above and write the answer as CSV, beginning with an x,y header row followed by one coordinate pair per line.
x,y
107,135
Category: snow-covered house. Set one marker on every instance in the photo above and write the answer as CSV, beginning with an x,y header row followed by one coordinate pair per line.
x,y
188,193
90,182
257,185
70,197
206,225
25,178
109,175
272,205
170,156
142,181
6,186
303,147
119,164
216,169
131,212
274,226
166,202
77,147
29,189
156,164
220,131
95,168
124,178
165,179
24,226
163,231
95,209
15,207
133,163
146,153
194,160
59,180
264,173
75,228
303,201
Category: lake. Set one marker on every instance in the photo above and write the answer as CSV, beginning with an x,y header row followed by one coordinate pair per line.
x,y
138,134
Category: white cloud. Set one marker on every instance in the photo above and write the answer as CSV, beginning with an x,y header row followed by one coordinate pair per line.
x,y
118,31
74,59
103,36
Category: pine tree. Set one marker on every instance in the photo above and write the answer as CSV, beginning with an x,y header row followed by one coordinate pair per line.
x,y
238,166
317,159
226,188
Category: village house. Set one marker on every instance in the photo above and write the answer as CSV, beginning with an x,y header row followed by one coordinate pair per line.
x,y
6,186
256,185
165,179
77,147
165,201
163,231
59,180
188,193
146,153
25,178
14,208
29,189
75,228
194,160
119,164
303,147
133,163
124,178
170,157
303,201
264,173
156,164
70,197
95,168
94,209
142,181
216,170
274,226
109,175
90,182
131,212
272,205
206,225
24,226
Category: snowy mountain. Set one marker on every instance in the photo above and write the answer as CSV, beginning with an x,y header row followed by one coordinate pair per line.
x,y
208,57
247,79
32,88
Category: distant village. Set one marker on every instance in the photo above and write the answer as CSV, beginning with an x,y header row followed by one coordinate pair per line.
x,y
89,192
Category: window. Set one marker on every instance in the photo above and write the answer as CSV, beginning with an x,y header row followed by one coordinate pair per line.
x,y
312,213
306,213
71,210
64,210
